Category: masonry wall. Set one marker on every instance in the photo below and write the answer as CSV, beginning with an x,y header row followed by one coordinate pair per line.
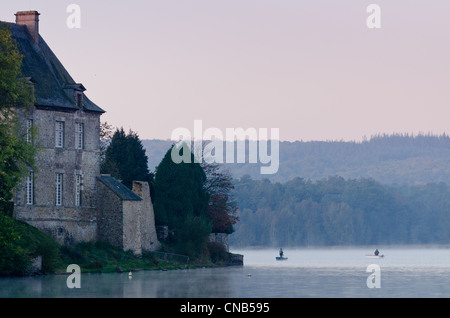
x,y
149,238
67,223
109,216
221,238
132,226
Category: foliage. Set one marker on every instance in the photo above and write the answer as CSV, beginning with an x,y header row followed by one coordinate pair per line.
x,y
125,159
191,236
106,134
222,209
181,202
13,259
217,252
36,243
335,211
16,155
14,89
20,242
179,191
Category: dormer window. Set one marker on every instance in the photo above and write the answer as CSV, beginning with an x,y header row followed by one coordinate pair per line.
x,y
76,90
79,99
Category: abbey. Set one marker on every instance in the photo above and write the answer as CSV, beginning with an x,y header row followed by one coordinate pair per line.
x,y
65,195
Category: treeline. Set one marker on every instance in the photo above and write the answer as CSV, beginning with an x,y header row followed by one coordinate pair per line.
x,y
387,158
338,211
393,158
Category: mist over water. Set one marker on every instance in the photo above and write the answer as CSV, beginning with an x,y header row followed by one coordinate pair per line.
x,y
324,272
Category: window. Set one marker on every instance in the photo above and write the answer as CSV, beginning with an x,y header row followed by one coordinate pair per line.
x,y
29,188
29,129
78,183
79,135
59,134
59,189
79,99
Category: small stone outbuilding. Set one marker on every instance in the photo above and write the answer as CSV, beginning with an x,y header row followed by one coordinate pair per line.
x,y
126,218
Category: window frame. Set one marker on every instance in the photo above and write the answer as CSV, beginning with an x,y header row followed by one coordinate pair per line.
x,y
78,188
29,188
79,136
59,134
29,136
59,189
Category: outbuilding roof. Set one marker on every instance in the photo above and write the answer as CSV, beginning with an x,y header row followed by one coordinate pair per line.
x,y
118,188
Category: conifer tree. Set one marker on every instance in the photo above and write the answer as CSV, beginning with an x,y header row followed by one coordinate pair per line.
x,y
125,159
179,190
181,202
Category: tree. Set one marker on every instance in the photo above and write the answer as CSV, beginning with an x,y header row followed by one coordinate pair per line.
x,y
125,159
181,202
179,190
16,96
222,209
15,91
106,134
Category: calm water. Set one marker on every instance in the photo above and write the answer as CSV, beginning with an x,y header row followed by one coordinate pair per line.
x,y
339,272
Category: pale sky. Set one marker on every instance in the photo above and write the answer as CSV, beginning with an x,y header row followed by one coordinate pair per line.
x,y
311,68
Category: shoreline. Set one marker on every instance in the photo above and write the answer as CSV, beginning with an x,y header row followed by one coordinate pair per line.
x,y
119,270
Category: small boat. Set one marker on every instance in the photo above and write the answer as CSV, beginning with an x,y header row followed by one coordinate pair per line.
x,y
280,258
374,256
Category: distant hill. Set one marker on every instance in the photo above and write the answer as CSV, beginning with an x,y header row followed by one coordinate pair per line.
x,y
397,158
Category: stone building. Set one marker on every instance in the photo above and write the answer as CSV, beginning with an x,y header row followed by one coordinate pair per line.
x,y
60,196
125,217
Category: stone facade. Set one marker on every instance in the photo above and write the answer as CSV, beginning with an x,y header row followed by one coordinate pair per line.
x,y
109,217
72,216
149,237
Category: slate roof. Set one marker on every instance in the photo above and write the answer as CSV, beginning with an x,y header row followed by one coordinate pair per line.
x,y
54,87
118,188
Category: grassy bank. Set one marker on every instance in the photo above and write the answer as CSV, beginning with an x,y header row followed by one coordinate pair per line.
x,y
20,243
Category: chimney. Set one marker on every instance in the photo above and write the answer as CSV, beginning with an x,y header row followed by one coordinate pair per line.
x,y
31,20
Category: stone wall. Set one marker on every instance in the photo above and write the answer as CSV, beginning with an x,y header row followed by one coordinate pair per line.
x,y
67,223
221,238
109,216
131,232
149,238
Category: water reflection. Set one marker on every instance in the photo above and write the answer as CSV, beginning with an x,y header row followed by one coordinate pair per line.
x,y
150,284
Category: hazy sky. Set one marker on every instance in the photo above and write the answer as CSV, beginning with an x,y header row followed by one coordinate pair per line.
x,y
311,68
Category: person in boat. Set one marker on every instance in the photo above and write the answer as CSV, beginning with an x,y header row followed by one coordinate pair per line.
x,y
376,252
281,252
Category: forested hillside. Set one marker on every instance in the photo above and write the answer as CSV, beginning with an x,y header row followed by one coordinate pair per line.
x,y
386,158
335,211
391,189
